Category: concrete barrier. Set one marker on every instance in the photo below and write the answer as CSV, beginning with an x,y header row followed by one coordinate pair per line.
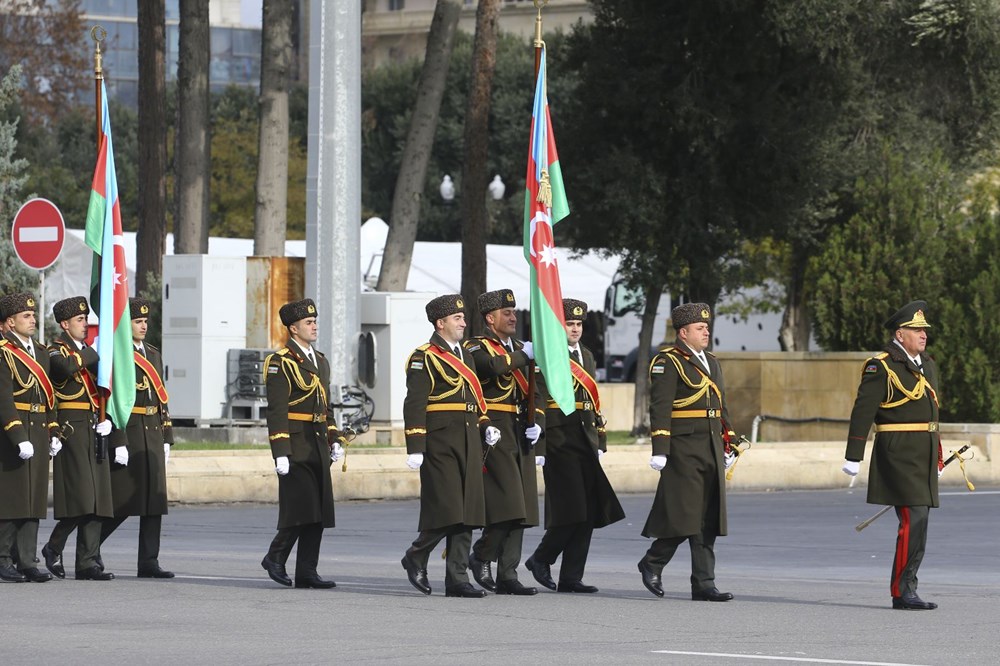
x,y
197,477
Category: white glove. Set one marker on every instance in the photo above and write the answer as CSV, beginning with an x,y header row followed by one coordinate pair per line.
x,y
103,428
600,452
492,436
121,455
415,460
166,453
540,461
940,472
533,432
730,459
528,349
851,467
658,462
336,451
26,450
281,465
55,446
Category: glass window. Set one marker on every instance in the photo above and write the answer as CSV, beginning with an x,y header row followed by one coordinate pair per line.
x,y
110,7
173,10
246,43
396,5
222,40
125,93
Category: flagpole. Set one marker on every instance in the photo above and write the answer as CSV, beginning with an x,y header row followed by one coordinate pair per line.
x,y
539,44
99,34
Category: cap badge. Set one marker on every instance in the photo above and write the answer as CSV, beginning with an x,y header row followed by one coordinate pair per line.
x,y
311,309
143,309
459,303
30,302
578,310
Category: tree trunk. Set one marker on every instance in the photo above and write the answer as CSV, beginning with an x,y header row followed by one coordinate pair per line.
x,y
704,286
151,238
192,154
270,221
410,182
474,174
795,325
640,419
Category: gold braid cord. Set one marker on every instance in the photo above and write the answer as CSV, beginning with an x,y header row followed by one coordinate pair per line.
x,y
25,384
508,387
893,384
701,388
455,382
961,466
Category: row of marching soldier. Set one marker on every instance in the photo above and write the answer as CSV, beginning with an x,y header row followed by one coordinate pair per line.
x,y
50,409
475,430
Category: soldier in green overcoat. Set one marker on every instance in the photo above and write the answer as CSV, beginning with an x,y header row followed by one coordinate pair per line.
x,y
502,363
81,481
28,417
899,394
139,469
578,495
446,427
688,417
305,442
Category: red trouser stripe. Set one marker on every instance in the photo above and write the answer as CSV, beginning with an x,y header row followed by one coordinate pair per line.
x,y
902,548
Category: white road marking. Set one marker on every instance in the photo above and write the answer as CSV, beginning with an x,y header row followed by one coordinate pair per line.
x,y
776,658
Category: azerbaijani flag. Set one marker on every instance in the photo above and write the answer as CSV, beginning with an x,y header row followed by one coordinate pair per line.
x,y
544,205
109,281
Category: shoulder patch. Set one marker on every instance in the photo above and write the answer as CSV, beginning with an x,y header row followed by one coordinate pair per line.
x,y
272,369
657,370
871,368
473,347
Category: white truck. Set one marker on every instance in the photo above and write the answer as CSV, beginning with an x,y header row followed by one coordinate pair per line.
x,y
623,309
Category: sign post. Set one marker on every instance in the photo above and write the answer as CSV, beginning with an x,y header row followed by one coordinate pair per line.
x,y
38,234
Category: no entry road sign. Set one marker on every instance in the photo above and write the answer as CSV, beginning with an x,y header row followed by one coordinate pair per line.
x,y
38,233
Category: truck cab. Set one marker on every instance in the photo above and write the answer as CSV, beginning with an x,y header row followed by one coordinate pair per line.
x,y
623,321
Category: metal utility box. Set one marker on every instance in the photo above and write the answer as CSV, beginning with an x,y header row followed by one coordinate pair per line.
x,y
204,316
399,323
271,282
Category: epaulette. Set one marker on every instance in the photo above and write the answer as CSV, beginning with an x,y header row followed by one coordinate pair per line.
x,y
282,351
424,347
881,355
3,341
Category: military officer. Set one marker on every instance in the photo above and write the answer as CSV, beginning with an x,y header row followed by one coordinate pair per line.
x,y
446,426
304,443
511,488
139,472
82,473
28,416
687,413
578,495
898,393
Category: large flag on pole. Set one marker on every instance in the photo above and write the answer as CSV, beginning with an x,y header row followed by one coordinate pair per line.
x,y
544,205
109,281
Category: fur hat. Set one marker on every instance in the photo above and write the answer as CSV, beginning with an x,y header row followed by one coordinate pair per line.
x,y
13,304
70,307
574,310
444,306
690,313
138,308
496,300
296,311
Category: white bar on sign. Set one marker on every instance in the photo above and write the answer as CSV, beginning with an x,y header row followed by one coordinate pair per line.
x,y
38,234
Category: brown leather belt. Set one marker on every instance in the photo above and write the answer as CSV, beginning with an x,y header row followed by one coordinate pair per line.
x,y
907,427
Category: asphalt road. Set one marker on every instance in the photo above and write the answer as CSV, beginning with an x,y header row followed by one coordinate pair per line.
x,y
808,588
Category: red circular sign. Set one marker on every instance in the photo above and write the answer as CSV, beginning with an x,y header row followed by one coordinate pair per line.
x,y
38,233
